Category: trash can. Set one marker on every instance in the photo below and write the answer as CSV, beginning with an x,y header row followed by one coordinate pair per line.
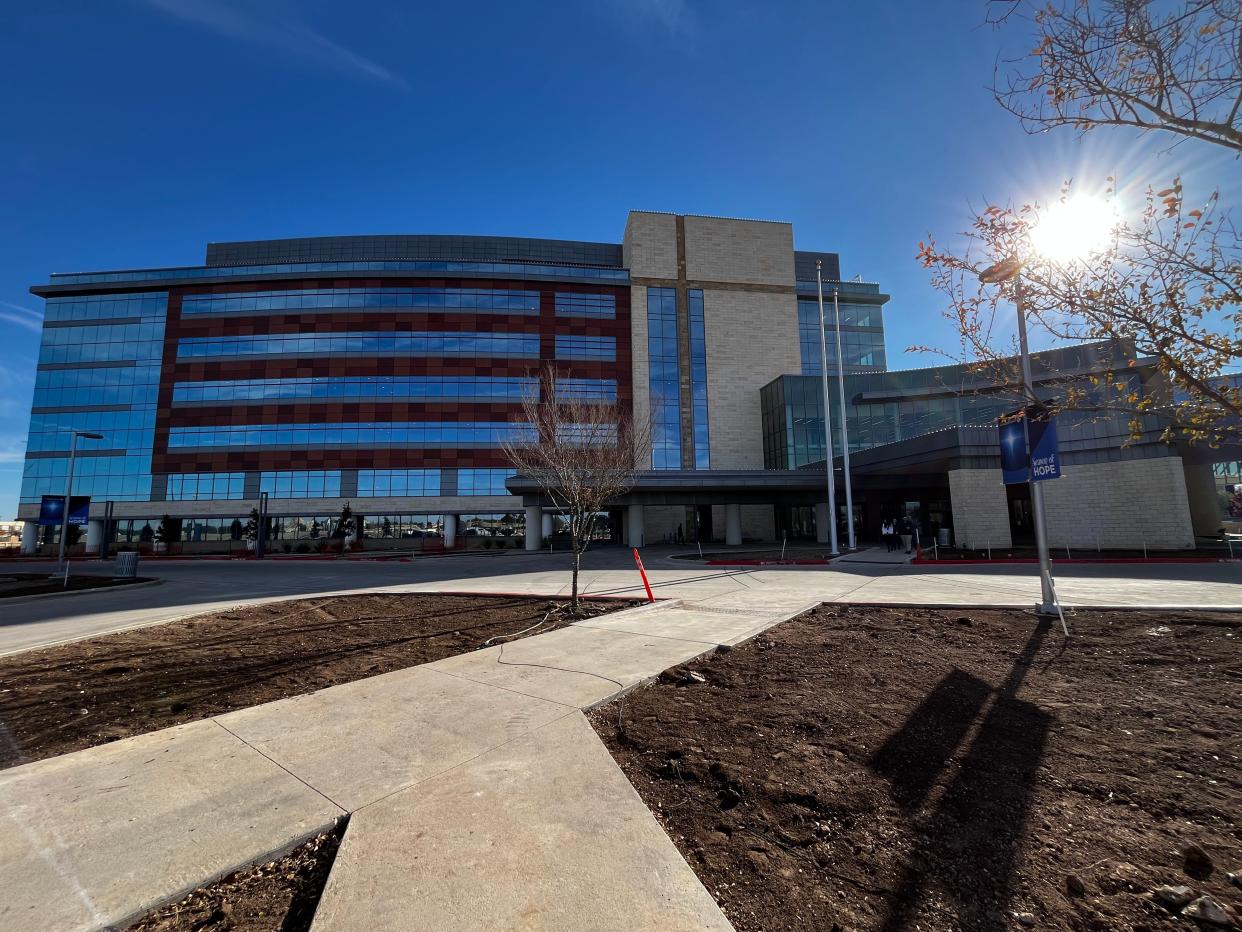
x,y
945,537
126,564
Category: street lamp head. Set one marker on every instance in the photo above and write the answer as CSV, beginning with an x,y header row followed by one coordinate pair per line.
x,y
89,435
1003,271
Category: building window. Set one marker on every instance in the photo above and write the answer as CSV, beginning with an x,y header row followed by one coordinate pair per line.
x,y
594,391
664,381
570,346
360,388
483,481
432,344
410,434
469,300
862,337
381,483
106,307
204,486
698,380
314,483
571,304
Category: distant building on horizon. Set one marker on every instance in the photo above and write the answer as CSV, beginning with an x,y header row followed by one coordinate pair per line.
x,y
385,372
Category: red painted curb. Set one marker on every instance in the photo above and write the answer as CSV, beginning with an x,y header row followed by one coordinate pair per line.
x,y
1026,560
766,562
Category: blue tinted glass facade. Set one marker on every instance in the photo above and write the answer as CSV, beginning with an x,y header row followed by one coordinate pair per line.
x,y
698,381
359,434
862,337
595,391
71,386
139,342
382,483
301,483
423,343
885,407
362,388
664,378
570,304
570,346
210,486
487,301
152,304
483,269
483,481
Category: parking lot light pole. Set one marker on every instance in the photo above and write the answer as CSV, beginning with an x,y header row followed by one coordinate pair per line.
x,y
1011,271
62,566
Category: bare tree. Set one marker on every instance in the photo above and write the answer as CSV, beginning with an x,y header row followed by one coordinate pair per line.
x,y
582,450
1169,286
1166,67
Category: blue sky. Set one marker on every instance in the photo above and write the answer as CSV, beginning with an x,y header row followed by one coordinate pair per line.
x,y
135,131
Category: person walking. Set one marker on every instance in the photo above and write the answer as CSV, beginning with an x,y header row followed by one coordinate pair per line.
x,y
888,534
907,531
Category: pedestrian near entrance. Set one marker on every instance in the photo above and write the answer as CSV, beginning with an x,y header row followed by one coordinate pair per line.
x,y
889,534
907,531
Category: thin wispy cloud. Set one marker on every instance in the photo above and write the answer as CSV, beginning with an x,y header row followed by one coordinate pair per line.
x,y
675,16
263,24
24,317
12,451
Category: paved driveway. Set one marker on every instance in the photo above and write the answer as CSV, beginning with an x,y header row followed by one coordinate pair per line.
x,y
194,587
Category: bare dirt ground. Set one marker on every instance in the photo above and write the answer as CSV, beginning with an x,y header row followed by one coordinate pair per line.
x,y
78,695
873,768
275,896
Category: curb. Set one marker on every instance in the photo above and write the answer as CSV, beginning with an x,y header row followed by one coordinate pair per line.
x,y
19,599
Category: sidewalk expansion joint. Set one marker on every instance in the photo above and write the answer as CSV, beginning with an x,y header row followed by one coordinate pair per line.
x,y
258,751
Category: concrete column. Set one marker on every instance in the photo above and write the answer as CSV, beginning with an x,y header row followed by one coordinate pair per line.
x,y
823,517
30,538
634,518
450,531
533,526
733,525
547,524
94,535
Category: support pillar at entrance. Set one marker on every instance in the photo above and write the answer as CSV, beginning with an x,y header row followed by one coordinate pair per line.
x,y
94,535
822,517
30,538
450,531
733,525
546,524
634,518
533,526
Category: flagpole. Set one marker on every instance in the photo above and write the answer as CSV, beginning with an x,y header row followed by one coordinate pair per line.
x,y
823,368
845,434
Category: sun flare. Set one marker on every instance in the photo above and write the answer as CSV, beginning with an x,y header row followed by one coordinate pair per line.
x,y
1075,228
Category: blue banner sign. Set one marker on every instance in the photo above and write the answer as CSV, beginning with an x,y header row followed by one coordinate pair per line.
x,y
1045,457
1013,452
52,510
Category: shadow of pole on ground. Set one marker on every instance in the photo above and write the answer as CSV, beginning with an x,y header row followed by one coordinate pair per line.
x,y
966,845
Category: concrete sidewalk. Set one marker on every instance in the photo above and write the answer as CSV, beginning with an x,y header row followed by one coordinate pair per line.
x,y
475,778
192,588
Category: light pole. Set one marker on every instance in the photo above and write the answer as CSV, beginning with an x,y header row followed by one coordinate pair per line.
x,y
823,369
62,567
1006,271
845,433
